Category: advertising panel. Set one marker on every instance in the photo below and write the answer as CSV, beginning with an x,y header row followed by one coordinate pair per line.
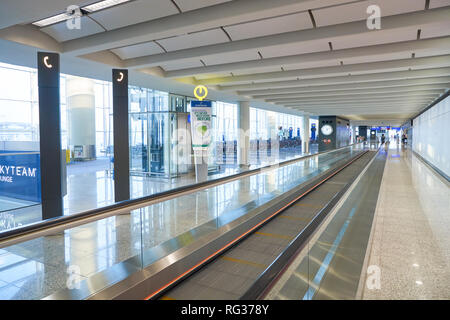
x,y
201,125
20,176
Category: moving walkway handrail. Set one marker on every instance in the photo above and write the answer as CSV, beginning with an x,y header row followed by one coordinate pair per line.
x,y
54,225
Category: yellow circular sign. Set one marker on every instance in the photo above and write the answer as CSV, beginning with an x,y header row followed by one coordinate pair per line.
x,y
200,92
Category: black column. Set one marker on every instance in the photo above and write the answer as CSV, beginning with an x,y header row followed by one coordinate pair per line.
x,y
363,132
50,134
121,140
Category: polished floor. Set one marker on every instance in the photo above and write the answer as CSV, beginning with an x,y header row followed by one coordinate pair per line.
x,y
38,268
90,185
410,242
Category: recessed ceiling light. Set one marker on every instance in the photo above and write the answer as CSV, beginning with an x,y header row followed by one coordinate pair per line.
x,y
52,20
103,5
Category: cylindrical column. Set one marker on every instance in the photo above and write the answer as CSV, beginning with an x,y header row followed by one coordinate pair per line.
x,y
244,134
81,107
306,134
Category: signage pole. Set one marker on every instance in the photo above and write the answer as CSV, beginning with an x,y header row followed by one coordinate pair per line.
x,y
201,132
50,134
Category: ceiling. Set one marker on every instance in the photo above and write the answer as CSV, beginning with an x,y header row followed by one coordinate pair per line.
x,y
315,57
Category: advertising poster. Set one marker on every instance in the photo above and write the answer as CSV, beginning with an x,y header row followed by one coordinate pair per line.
x,y
201,125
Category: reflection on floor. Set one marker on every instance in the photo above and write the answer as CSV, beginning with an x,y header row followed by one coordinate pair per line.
x,y
90,185
411,237
37,268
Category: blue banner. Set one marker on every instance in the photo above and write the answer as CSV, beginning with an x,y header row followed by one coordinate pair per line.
x,y
20,175
202,104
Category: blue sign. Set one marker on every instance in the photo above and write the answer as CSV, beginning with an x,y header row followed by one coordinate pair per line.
x,y
20,176
195,103
313,131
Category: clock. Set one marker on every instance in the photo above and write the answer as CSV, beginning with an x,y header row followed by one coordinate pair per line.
x,y
326,130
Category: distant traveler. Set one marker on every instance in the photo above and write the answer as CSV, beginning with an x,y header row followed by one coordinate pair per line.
x,y
383,138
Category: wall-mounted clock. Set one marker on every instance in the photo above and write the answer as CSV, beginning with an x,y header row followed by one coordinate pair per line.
x,y
326,130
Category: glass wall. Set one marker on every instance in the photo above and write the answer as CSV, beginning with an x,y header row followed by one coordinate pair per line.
x,y
160,145
149,132
103,118
288,128
431,129
19,110
19,140
225,133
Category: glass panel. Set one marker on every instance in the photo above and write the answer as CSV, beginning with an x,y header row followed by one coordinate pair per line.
x,y
159,143
139,142
173,161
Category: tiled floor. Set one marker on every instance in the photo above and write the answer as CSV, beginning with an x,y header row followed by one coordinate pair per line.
x,y
36,268
411,233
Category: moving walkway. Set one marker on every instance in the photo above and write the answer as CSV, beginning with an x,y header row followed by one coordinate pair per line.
x,y
259,207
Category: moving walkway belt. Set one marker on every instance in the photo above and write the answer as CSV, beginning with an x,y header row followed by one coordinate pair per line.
x,y
247,267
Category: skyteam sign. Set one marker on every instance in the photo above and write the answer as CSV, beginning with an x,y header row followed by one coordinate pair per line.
x,y
20,176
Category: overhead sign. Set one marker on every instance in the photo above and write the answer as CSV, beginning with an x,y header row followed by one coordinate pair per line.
x,y
201,124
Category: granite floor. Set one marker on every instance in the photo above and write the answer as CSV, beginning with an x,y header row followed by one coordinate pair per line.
x,y
410,245
37,268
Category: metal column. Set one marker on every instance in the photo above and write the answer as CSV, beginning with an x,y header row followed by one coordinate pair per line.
x,y
306,134
50,134
121,134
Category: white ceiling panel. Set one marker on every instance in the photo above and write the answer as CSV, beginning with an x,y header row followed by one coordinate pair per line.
x,y
439,3
187,5
211,76
222,58
295,48
374,38
256,71
436,30
314,64
298,21
380,70
193,40
358,11
138,50
375,58
61,32
134,12
169,66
